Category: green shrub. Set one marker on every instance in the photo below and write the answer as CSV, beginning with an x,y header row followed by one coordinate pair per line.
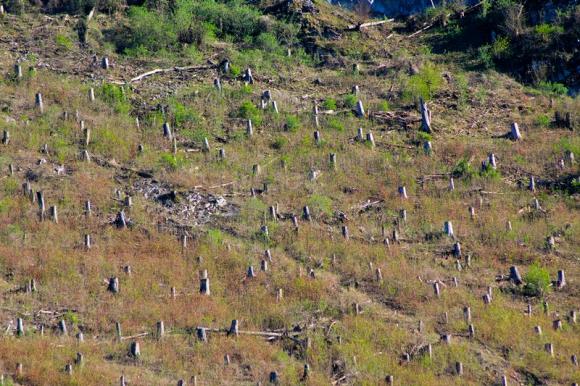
x,y
114,96
485,56
329,104
463,169
279,143
183,115
64,42
383,106
336,124
553,88
490,172
171,161
424,84
500,47
319,203
196,135
547,31
292,123
543,120
537,281
248,110
350,100
268,42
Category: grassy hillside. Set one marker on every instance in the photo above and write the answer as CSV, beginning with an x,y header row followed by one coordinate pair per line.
x,y
213,197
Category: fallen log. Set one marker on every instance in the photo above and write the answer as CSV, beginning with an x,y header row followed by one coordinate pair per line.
x,y
163,70
358,27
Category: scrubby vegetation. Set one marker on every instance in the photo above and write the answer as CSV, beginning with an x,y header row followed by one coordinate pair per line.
x,y
310,243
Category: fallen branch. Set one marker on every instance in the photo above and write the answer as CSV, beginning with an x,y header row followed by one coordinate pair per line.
x,y
135,336
163,70
358,27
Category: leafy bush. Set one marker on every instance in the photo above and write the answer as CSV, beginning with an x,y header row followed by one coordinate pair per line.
x,y
319,203
336,124
171,161
279,143
383,106
537,281
115,97
543,120
547,31
490,172
424,84
267,41
553,88
329,104
64,42
350,100
292,123
249,111
463,169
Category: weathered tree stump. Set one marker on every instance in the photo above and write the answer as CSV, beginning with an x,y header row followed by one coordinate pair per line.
x,y
437,289
105,63
62,327
561,281
234,328
113,285
467,314
41,205
201,334
204,286
275,107
53,214
532,184
515,133
118,332
68,369
306,213
486,299
515,276
360,110
222,154
549,348
19,327
217,84
6,137
122,381
91,95
457,250
249,128
355,90
446,338
39,103
17,69
135,349
371,139
332,159
557,324
448,228
160,327
471,331
248,78
425,116
250,272
403,192
87,241
428,147
344,232
167,131
264,265
459,368
80,359
317,139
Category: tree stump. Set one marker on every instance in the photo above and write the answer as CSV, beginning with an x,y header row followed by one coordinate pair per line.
x,y
317,139
250,272
425,116
6,137
39,103
91,95
403,192
167,131
62,327
234,328
515,276
515,133
113,285
428,147
360,110
549,348
19,327
459,368
448,228
135,350
105,63
561,281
